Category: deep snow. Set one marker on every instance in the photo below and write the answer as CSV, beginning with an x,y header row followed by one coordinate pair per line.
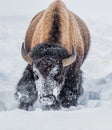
x,y
94,111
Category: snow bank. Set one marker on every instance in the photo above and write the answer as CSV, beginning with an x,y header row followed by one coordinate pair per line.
x,y
86,119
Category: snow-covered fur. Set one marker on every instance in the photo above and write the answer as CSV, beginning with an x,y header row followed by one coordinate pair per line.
x,y
47,80
48,41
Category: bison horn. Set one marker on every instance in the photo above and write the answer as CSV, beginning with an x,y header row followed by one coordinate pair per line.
x,y
25,56
71,59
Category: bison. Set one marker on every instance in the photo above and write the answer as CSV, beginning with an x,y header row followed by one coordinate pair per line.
x,y
56,44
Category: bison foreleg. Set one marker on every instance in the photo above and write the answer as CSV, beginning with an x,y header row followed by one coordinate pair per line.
x,y
71,90
26,90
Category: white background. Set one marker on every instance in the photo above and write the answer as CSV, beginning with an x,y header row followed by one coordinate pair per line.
x,y
98,9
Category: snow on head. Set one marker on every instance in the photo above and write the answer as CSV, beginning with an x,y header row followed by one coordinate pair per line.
x,y
48,89
40,81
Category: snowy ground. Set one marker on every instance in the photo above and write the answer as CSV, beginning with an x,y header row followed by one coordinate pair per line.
x,y
95,106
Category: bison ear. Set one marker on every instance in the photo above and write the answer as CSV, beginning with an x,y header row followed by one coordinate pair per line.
x,y
68,61
25,56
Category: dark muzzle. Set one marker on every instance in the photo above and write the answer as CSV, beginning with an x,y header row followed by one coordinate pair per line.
x,y
47,100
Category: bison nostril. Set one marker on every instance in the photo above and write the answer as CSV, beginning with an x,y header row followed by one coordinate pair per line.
x,y
48,100
49,96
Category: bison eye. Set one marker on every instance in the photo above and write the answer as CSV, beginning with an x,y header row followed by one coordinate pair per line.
x,y
36,76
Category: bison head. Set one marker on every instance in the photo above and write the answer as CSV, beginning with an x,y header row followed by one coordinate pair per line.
x,y
49,62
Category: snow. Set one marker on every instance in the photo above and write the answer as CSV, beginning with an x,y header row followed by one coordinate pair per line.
x,y
94,111
86,119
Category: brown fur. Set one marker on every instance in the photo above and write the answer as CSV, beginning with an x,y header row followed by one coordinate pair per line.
x,y
72,29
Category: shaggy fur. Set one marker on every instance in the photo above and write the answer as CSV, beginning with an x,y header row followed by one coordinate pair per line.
x,y
48,41
72,30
